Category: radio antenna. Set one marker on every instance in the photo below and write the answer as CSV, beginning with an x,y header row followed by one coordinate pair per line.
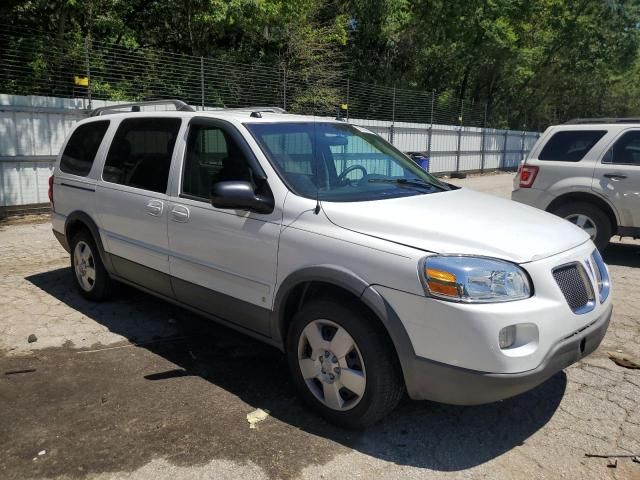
x,y
316,159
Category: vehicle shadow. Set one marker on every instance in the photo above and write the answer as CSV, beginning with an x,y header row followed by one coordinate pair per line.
x,y
419,434
622,254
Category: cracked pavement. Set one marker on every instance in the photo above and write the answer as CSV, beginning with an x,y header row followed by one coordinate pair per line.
x,y
138,388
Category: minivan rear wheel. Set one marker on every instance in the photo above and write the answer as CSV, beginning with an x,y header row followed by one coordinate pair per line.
x,y
590,218
89,274
342,363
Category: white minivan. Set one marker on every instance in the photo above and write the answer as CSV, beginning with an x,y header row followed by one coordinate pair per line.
x,y
322,239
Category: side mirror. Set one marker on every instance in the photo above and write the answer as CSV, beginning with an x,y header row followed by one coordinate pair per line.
x,y
239,195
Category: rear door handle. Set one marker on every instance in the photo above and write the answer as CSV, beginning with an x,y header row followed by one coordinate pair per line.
x,y
155,207
615,176
180,214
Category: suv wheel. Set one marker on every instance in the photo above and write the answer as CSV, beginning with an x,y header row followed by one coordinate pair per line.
x,y
91,278
342,363
591,219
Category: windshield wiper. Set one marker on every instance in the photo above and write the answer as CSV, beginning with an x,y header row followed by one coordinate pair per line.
x,y
410,182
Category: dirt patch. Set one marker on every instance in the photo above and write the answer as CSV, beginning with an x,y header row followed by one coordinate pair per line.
x,y
116,409
25,220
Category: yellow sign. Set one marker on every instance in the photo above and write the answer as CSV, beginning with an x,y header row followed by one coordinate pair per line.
x,y
81,81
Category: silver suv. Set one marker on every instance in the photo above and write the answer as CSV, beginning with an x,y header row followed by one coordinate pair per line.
x,y
588,172
323,240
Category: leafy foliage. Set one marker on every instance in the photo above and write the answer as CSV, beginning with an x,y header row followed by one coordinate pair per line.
x,y
533,62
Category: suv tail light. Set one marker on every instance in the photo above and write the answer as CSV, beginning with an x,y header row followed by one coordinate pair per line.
x,y
51,190
528,175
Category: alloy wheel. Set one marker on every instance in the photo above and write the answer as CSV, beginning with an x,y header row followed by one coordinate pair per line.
x,y
84,265
585,223
331,365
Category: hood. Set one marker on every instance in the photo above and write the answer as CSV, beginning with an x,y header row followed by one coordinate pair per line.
x,y
460,222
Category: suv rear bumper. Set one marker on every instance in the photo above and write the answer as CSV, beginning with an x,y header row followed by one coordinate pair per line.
x,y
430,380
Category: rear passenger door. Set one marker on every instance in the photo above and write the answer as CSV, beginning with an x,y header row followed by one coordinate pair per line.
x,y
132,200
617,177
222,261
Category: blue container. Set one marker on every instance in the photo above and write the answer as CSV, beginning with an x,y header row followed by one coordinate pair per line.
x,y
423,162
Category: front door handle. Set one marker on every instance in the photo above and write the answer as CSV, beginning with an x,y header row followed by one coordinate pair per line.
x,y
180,214
615,176
155,207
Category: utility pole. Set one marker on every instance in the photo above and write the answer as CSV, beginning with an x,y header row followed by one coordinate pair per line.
x,y
202,81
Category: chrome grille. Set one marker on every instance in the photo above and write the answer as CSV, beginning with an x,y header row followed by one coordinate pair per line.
x,y
575,286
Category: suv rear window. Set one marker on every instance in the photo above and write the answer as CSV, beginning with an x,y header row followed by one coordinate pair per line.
x,y
81,149
140,154
570,146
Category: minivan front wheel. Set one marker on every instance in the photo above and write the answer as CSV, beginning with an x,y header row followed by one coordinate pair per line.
x,y
342,364
590,218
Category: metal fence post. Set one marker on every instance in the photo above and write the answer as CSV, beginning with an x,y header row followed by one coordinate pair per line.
x,y
504,150
87,48
483,140
284,88
348,100
202,81
522,152
482,149
430,134
393,117
433,101
429,137
458,149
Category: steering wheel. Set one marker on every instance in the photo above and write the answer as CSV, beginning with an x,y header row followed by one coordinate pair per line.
x,y
343,176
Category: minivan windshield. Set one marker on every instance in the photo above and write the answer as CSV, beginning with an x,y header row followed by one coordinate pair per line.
x,y
340,162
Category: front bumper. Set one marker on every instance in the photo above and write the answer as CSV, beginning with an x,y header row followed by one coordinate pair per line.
x,y
430,380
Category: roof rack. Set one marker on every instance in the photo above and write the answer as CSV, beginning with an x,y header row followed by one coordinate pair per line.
x,y
256,112
265,109
578,121
135,107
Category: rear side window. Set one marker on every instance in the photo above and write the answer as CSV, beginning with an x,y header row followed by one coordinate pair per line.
x,y
570,146
140,153
82,147
626,150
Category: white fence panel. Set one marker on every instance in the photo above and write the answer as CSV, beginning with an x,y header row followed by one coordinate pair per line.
x,y
33,129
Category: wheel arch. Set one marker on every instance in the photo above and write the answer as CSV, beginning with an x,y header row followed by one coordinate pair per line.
x,y
586,197
81,220
336,281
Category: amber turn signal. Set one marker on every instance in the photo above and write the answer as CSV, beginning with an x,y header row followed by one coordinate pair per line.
x,y
441,282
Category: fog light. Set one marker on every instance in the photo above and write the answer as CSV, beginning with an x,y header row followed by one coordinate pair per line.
x,y
507,336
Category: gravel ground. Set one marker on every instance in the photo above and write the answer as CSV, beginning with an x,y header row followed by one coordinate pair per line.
x,y
137,388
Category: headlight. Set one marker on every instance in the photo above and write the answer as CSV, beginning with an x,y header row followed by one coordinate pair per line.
x,y
474,279
602,275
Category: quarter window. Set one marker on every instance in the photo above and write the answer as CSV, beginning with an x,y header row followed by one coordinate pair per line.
x,y
626,150
570,146
212,156
82,147
140,153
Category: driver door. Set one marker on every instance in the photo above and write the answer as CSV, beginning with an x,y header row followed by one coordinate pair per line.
x,y
222,262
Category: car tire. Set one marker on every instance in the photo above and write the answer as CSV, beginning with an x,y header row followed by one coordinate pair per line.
x,y
578,213
89,274
368,381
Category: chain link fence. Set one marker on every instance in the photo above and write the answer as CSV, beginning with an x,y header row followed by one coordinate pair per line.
x,y
73,67
48,83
